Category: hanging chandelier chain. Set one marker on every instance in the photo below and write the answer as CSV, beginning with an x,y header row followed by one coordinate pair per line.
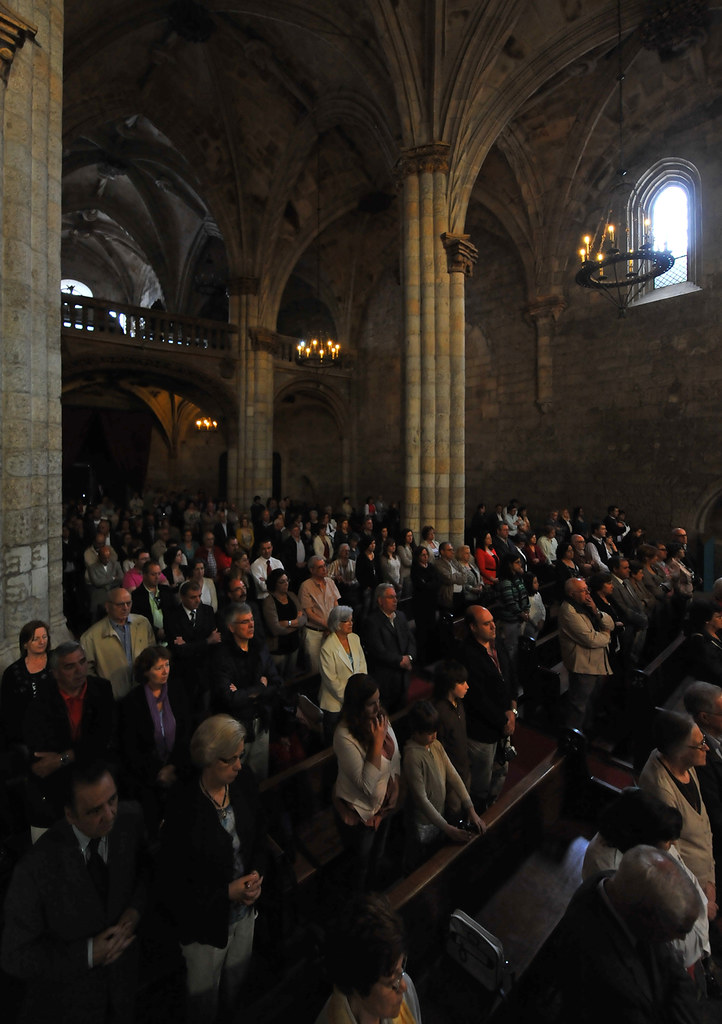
x,y
618,268
620,80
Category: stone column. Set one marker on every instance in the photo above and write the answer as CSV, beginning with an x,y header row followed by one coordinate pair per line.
x,y
260,477
412,362
243,309
424,174
461,256
544,313
443,440
30,370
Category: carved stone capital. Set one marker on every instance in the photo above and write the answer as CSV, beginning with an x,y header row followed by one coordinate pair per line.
x,y
243,285
549,307
13,33
424,159
461,254
263,340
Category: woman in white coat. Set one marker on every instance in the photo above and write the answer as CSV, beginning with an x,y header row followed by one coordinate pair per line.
x,y
341,656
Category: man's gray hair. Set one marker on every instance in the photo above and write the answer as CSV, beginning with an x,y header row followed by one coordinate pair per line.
x,y
314,560
381,590
236,609
63,650
701,696
650,885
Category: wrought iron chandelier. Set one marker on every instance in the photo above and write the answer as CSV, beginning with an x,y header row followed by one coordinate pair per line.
x,y
612,262
319,350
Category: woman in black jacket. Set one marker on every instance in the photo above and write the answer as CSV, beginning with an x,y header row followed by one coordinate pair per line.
x,y
212,863
154,732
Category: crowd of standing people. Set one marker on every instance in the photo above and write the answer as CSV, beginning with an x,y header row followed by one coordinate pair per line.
x,y
193,623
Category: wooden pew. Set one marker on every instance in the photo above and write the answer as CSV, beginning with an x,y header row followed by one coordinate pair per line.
x,y
516,880
651,687
455,876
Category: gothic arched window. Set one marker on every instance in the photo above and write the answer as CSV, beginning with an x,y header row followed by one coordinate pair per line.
x,y
666,208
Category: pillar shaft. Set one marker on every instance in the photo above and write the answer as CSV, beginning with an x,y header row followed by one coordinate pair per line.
x,y
442,377
461,256
434,346
30,370
412,363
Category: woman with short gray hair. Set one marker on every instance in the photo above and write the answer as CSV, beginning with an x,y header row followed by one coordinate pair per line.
x,y
341,656
213,855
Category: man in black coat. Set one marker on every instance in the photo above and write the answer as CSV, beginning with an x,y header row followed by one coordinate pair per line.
x,y
191,633
390,647
489,705
73,906
614,960
295,558
73,720
152,600
245,683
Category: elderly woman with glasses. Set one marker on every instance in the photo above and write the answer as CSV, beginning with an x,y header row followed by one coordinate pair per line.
x,y
670,774
212,863
341,656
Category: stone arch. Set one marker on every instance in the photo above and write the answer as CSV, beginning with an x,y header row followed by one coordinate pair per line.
x,y
176,394
708,512
312,438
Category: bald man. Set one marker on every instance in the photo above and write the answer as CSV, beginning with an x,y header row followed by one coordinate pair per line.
x,y
113,644
615,962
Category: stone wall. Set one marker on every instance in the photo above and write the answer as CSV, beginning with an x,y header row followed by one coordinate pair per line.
x,y
635,413
379,397
30,376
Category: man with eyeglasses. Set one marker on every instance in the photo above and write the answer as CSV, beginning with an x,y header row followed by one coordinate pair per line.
x,y
584,637
679,536
113,644
245,683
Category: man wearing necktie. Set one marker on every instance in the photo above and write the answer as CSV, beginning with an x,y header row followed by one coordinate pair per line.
x,y
73,906
192,633
262,568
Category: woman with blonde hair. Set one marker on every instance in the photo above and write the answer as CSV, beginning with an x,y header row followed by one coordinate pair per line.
x,y
212,860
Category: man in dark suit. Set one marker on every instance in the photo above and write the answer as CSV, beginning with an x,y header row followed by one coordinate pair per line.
x,y
704,703
152,600
191,632
72,720
489,704
504,546
390,647
73,906
629,609
615,961
295,558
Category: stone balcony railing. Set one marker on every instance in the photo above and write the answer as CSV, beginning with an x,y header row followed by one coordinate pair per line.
x,y
144,327
157,330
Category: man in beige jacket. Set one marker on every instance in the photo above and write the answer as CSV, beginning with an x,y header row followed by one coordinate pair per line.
x,y
584,636
112,645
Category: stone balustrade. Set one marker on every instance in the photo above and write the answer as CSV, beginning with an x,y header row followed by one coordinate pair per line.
x,y
136,325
